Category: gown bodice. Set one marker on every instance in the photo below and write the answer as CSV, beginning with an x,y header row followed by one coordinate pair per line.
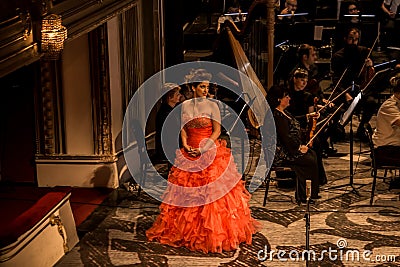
x,y
198,129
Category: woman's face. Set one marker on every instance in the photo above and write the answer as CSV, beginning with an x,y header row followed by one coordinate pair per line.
x,y
300,83
201,90
284,101
352,9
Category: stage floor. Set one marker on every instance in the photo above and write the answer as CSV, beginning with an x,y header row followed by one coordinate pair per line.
x,y
367,235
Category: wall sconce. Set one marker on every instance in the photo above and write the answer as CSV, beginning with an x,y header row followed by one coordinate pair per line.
x,y
53,36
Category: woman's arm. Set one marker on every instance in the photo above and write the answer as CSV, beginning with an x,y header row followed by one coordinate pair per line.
x,y
387,11
183,131
184,139
290,142
215,115
216,121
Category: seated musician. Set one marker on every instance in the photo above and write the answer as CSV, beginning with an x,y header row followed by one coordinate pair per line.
x,y
288,13
290,149
168,102
306,56
303,109
354,12
353,65
302,102
386,137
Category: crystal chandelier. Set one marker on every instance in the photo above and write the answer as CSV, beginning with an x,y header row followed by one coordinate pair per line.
x,y
53,36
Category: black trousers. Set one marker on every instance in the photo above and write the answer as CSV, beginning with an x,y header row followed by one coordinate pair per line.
x,y
306,168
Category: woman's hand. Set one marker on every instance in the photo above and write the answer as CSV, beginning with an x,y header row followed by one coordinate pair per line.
x,y
194,152
303,149
368,62
313,115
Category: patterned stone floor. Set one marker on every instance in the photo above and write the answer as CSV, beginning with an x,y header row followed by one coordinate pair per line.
x,y
344,229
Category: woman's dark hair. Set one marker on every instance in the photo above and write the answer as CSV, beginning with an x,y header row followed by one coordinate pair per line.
x,y
197,76
300,73
274,94
170,89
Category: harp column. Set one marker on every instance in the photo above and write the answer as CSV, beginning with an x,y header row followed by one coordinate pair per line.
x,y
270,32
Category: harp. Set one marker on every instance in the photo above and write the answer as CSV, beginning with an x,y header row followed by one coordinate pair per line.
x,y
254,38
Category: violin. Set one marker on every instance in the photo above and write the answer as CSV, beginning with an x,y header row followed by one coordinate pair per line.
x,y
367,72
366,76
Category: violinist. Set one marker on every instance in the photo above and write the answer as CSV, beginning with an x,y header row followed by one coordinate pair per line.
x,y
302,102
290,148
351,63
307,55
303,109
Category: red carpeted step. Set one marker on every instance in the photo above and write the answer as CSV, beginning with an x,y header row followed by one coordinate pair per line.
x,y
15,200
30,217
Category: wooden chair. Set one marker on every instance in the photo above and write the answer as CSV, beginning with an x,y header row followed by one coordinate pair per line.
x,y
374,165
268,179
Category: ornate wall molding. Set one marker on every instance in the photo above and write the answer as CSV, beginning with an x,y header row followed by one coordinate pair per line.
x,y
98,43
17,45
50,122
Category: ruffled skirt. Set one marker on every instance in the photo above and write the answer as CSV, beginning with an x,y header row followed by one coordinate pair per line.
x,y
215,215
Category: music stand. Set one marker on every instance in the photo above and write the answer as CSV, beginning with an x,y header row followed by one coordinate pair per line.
x,y
348,118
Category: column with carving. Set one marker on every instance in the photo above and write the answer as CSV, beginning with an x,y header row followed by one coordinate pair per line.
x,y
100,91
49,110
270,30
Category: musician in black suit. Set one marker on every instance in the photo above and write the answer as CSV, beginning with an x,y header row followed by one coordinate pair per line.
x,y
353,61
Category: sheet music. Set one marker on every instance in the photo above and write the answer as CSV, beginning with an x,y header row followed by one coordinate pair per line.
x,y
350,110
318,32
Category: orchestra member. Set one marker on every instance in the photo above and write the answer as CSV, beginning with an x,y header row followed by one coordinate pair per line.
x,y
168,101
352,61
290,148
386,137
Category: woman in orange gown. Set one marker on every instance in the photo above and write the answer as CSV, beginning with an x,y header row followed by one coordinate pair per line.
x,y
205,206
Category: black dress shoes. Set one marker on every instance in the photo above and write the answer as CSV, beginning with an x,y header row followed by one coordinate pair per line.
x,y
331,151
303,201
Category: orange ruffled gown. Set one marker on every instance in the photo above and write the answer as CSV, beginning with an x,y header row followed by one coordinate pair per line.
x,y
225,221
